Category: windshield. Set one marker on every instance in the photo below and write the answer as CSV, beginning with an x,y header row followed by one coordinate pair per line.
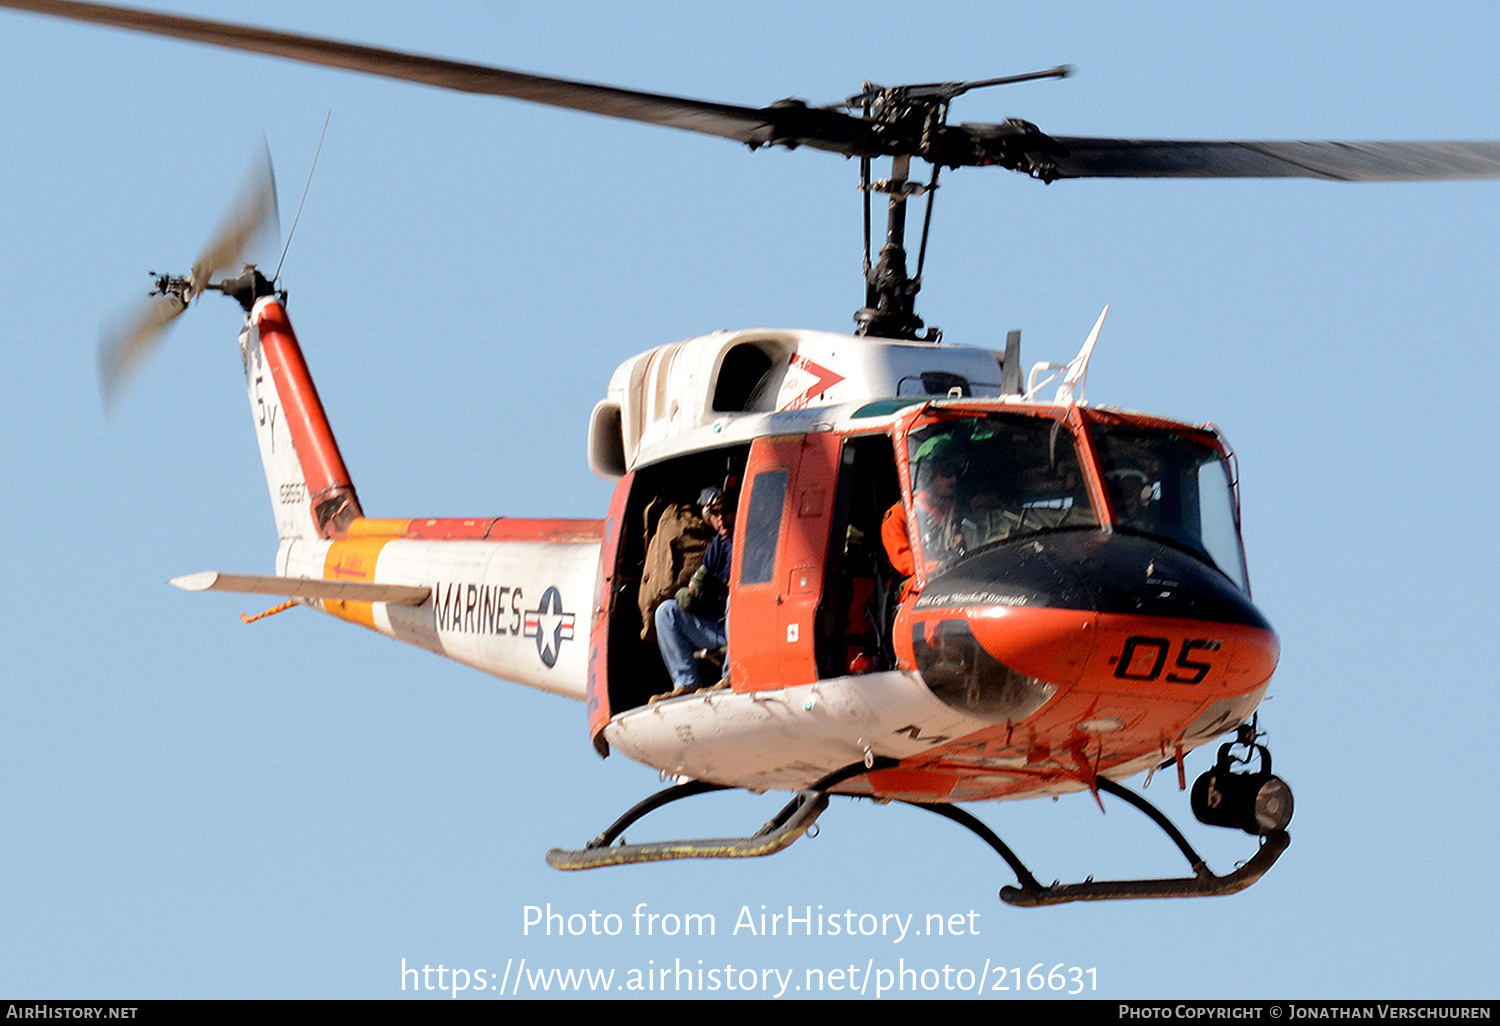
x,y
1172,487
980,480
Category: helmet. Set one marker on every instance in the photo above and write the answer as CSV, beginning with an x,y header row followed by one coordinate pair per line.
x,y
940,454
713,495
1128,481
939,449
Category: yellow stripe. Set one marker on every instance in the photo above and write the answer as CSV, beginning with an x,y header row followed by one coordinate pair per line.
x,y
367,528
354,560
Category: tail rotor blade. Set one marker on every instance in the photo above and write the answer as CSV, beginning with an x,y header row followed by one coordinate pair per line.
x,y
251,220
125,350
127,346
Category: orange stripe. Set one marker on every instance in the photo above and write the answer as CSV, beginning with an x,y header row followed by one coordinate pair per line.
x,y
509,529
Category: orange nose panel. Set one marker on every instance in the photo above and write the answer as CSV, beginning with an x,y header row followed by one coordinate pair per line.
x,y
1053,645
1141,655
1119,687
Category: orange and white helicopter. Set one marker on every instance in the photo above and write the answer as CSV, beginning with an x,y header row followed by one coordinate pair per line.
x,y
946,585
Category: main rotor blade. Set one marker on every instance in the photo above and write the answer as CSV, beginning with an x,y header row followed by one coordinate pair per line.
x,y
1017,145
744,124
1338,161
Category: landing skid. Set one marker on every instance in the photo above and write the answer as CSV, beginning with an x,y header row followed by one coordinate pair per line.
x,y
784,828
802,811
1203,883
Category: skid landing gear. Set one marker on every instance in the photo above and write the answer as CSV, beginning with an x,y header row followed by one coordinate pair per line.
x,y
784,828
1258,803
1203,883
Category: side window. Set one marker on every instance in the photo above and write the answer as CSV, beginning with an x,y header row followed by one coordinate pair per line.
x,y
763,527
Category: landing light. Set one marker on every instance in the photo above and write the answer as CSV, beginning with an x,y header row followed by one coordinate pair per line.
x,y
1257,803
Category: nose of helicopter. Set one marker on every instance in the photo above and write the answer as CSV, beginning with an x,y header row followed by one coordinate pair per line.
x,y
1002,632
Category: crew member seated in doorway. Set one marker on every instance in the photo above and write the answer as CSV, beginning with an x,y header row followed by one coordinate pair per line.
x,y
695,620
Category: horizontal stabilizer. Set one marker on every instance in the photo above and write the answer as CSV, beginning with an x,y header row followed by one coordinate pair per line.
x,y
304,588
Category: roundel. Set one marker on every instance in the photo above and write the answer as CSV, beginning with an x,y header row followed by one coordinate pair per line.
x,y
549,625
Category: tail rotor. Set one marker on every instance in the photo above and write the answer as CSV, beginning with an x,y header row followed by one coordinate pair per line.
x,y
126,347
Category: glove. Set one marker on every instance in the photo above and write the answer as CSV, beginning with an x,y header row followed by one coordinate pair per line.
x,y
702,594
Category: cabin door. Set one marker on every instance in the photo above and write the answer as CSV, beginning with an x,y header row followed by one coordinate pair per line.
x,y
780,556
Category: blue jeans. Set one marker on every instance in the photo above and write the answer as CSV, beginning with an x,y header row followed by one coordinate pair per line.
x,y
680,634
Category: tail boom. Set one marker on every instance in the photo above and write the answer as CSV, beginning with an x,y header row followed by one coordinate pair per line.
x,y
513,601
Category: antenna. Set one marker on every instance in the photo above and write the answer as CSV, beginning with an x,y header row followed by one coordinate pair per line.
x,y
300,203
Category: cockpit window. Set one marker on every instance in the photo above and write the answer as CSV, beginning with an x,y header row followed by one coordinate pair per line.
x,y
1174,488
979,481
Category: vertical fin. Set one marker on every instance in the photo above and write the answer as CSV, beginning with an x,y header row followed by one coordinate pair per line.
x,y
311,494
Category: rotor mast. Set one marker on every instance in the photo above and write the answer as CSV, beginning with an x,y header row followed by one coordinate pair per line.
x,y
911,121
890,293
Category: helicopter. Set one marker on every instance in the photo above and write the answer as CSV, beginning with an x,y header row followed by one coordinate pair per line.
x,y
791,657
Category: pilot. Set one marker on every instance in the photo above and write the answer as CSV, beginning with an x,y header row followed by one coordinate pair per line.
x,y
695,620
939,463
1131,491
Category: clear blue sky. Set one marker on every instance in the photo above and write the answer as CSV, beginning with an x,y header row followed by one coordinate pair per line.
x,y
193,807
